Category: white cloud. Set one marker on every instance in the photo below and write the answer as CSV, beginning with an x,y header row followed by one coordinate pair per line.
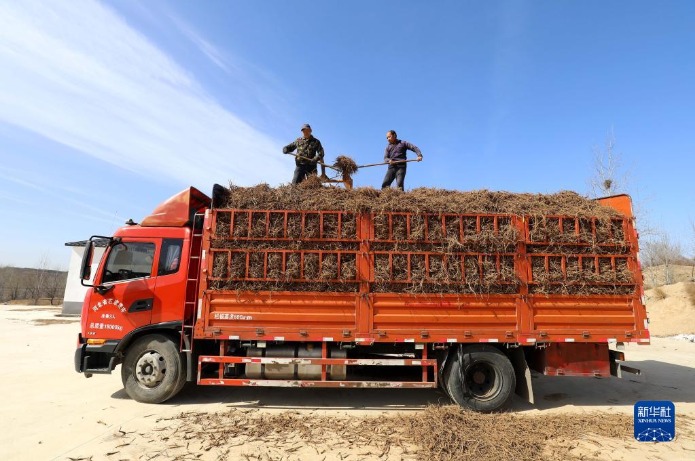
x,y
207,48
54,190
246,80
77,73
15,176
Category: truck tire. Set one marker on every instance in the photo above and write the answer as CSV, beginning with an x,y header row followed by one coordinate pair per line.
x,y
479,377
153,369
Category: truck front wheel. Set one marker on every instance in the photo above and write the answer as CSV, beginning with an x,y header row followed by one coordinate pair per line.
x,y
479,377
153,369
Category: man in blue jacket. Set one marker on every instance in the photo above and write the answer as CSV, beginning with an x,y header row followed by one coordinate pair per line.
x,y
395,157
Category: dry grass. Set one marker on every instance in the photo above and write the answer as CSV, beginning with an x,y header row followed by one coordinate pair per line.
x,y
658,294
690,293
436,434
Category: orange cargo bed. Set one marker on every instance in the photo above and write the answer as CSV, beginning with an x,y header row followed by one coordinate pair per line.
x,y
378,278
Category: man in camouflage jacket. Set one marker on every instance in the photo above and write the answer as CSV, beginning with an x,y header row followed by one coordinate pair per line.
x,y
309,153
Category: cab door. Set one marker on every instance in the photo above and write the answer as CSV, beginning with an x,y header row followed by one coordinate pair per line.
x,y
171,280
125,297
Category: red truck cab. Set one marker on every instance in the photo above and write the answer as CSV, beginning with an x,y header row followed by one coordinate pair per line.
x,y
144,285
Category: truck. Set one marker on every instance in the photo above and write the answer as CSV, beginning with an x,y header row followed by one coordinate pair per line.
x,y
284,296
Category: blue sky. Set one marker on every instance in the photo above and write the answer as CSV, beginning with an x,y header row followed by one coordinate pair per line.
x,y
108,108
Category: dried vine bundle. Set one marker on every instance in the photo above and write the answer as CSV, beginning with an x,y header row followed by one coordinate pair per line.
x,y
311,195
346,165
425,241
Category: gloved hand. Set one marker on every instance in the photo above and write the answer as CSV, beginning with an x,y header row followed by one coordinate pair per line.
x,y
315,160
419,158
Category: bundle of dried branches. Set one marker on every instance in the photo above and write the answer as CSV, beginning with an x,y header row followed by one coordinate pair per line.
x,y
427,240
311,195
346,165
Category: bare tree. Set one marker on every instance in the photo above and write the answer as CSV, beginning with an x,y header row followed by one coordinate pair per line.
x,y
10,283
692,268
609,176
55,284
38,278
662,252
5,283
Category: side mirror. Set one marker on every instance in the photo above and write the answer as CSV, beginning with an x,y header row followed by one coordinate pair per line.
x,y
86,266
88,255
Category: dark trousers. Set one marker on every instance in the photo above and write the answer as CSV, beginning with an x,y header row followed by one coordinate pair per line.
x,y
302,171
396,172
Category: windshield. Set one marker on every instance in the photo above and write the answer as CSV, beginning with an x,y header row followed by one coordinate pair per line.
x,y
129,260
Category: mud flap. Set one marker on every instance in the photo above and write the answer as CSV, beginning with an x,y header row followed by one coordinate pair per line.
x,y
617,368
524,388
444,372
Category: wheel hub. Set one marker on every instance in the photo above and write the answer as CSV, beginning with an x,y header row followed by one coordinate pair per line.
x,y
150,369
481,381
479,377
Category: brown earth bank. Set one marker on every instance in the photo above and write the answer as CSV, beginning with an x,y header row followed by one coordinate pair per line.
x,y
671,309
51,412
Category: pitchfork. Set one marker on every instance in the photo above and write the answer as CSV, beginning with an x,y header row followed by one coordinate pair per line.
x,y
346,181
390,163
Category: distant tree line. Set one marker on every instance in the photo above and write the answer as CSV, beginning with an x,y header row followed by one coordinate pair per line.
x,y
32,284
661,252
610,177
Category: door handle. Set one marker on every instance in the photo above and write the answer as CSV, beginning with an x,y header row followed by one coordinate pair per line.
x,y
141,305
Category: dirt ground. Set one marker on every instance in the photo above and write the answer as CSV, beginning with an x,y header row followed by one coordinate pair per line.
x,y
51,412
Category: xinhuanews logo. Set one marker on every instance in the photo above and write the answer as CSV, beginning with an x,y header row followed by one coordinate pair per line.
x,y
655,421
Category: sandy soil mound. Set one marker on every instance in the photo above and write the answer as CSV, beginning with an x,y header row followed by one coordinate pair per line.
x,y
671,309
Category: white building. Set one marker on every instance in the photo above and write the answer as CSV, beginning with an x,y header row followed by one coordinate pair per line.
x,y
74,291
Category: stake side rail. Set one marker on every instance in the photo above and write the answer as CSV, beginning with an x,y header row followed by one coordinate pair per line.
x,y
218,376
527,289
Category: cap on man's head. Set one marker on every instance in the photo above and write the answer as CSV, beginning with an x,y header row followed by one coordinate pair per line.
x,y
306,126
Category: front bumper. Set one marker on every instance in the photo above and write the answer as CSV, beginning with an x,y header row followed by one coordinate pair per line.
x,y
96,359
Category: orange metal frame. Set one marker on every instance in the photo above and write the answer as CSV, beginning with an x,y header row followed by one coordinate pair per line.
x,y
365,317
429,369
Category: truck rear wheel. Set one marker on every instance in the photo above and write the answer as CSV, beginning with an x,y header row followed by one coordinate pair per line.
x,y
479,377
153,369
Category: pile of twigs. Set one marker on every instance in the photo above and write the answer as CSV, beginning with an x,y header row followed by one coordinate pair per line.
x,y
311,195
435,434
424,241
